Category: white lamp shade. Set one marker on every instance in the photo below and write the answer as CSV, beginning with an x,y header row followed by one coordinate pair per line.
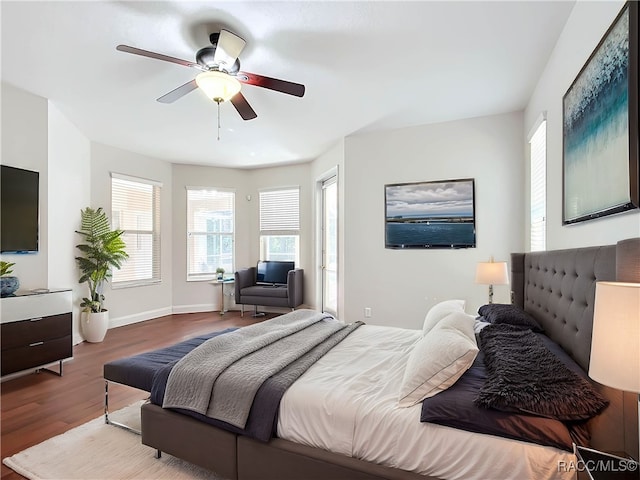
x,y
615,343
218,86
492,273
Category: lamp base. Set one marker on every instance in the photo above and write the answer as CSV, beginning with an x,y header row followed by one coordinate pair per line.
x,y
490,293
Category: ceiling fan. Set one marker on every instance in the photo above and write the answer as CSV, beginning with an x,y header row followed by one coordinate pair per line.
x,y
220,75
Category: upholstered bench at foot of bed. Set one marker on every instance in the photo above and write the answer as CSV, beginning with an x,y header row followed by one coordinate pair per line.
x,y
138,371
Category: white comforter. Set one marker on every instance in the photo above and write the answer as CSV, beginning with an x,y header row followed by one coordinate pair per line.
x,y
347,403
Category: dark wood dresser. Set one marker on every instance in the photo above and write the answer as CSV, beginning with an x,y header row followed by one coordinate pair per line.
x,y
35,330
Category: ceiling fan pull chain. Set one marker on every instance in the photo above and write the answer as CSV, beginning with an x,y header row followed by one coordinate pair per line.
x,y
218,120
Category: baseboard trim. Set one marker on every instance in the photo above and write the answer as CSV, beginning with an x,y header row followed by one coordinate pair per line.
x,y
139,317
177,309
196,308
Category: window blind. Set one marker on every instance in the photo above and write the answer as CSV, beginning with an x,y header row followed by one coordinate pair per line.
x,y
280,210
280,224
538,218
135,209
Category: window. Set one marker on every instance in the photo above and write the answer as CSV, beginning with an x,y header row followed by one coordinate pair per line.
x,y
210,227
280,224
538,219
135,209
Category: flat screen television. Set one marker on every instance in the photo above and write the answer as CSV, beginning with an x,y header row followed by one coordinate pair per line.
x,y
18,210
437,214
273,272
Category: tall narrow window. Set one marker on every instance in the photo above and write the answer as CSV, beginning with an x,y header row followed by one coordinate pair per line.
x,y
210,227
280,224
538,218
330,245
135,208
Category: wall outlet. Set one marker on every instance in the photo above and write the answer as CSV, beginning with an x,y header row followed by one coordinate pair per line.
x,y
367,312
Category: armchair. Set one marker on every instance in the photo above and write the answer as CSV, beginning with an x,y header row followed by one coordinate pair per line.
x,y
250,293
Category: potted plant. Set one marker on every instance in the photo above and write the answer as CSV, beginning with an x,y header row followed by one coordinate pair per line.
x,y
220,273
103,250
8,284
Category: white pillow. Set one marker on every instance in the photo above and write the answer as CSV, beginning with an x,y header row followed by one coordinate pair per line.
x,y
439,359
460,321
439,311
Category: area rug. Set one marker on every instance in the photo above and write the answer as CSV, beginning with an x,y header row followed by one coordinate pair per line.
x,y
99,451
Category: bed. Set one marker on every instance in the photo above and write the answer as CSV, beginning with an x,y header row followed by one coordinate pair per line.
x,y
556,288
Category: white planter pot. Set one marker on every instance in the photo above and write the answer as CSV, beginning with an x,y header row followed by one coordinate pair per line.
x,y
95,325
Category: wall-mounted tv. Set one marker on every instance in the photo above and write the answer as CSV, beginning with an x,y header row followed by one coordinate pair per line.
x,y
18,210
273,272
438,214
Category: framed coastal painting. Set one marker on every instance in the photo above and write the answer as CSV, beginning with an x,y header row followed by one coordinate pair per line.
x,y
433,214
600,127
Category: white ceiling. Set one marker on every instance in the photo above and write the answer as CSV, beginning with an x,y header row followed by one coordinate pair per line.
x,y
366,66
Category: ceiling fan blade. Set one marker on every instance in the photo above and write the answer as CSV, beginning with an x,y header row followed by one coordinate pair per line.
x,y
243,107
283,86
158,56
179,92
228,49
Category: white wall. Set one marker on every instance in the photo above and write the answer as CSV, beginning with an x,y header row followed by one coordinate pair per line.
x,y
400,285
68,184
582,33
24,145
134,304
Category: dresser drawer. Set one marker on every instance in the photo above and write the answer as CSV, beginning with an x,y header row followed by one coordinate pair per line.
x,y
40,353
26,332
24,307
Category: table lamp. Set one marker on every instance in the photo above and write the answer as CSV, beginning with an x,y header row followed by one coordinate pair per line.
x,y
492,273
615,342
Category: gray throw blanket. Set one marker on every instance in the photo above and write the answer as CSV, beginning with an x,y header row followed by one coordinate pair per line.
x,y
220,378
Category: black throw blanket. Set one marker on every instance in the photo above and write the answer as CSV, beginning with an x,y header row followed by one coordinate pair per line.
x,y
524,376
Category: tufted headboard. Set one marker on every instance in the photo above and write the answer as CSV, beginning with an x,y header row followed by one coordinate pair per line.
x,y
557,287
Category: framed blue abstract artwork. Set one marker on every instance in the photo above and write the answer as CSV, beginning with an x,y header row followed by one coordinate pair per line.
x,y
600,127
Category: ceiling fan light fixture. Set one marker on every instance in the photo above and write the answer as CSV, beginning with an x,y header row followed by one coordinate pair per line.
x,y
218,86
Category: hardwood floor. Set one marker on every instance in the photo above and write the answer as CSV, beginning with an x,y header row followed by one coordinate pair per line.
x,y
39,406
